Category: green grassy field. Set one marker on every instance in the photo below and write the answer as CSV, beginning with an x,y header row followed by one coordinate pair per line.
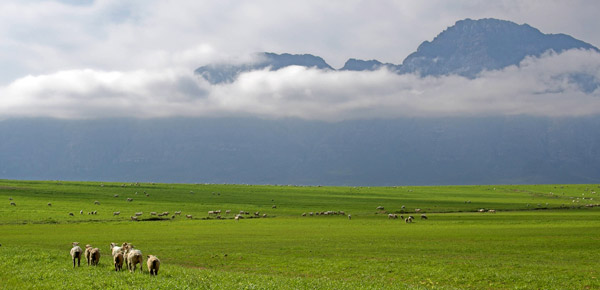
x,y
542,236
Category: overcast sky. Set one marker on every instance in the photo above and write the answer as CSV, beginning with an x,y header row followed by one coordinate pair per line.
x,y
114,58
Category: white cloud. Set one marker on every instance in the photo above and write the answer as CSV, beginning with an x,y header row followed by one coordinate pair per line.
x,y
44,36
539,86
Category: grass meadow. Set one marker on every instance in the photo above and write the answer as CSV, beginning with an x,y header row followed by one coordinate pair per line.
x,y
541,236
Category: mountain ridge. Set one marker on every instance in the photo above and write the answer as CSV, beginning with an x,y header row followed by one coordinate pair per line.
x,y
466,48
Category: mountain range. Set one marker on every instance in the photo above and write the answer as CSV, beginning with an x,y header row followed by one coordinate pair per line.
x,y
400,151
466,49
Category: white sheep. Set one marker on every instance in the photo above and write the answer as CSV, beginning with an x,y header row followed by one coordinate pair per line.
x,y
134,257
189,216
81,212
153,265
380,207
423,217
129,199
88,249
97,202
349,217
95,256
134,218
116,213
492,211
76,254
114,248
178,213
153,213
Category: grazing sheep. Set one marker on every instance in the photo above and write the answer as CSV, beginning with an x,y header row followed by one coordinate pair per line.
x,y
97,202
153,213
139,213
76,254
10,198
417,210
116,213
342,212
13,204
95,256
303,214
392,216
71,214
153,265
492,211
274,206
116,195
134,257
49,204
118,261
380,208
81,212
264,215
349,217
134,218
129,199
238,217
423,217
228,211
178,213
481,210
88,249
408,219
189,216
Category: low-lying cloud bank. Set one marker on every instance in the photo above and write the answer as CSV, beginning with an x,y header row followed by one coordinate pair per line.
x,y
563,84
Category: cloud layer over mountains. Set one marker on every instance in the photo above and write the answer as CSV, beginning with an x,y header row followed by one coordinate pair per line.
x,y
544,86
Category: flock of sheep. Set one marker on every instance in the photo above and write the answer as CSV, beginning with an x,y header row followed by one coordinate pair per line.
x,y
125,253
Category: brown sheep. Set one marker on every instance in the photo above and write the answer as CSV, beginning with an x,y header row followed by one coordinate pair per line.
x,y
118,260
153,265
95,256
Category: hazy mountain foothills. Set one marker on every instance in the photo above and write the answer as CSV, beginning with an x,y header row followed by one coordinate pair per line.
x,y
426,150
511,150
